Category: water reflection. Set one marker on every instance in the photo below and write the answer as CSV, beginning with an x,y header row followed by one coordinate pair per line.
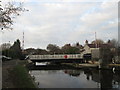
x,y
72,72
89,78
105,78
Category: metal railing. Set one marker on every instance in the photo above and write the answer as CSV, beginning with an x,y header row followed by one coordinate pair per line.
x,y
60,56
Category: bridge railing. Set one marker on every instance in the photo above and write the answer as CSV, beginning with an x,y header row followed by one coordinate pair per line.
x,y
60,56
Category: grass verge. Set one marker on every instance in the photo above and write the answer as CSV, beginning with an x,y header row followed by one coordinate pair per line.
x,y
21,77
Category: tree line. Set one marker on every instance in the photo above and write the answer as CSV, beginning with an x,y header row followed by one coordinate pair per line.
x,y
15,51
54,49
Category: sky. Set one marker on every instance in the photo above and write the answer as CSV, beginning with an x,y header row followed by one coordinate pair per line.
x,y
64,21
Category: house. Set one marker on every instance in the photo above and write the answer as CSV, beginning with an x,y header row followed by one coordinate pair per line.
x,y
94,49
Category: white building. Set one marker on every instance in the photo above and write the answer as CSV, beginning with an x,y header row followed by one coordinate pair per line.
x,y
94,49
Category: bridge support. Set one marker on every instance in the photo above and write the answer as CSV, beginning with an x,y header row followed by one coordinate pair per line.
x,y
34,63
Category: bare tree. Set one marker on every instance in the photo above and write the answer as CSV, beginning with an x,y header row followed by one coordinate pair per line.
x,y
53,49
114,42
68,49
98,41
8,12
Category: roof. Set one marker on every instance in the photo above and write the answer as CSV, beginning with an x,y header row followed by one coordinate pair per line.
x,y
99,45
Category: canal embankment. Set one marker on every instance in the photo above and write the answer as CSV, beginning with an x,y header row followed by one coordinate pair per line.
x,y
22,78
82,65
90,65
61,66
15,75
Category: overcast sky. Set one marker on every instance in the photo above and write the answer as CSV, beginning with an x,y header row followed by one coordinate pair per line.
x,y
64,21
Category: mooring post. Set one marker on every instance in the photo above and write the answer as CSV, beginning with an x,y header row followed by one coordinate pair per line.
x,y
100,62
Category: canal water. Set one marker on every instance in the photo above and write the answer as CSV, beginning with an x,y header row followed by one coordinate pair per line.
x,y
71,78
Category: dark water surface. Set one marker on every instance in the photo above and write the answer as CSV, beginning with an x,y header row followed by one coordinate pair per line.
x,y
88,78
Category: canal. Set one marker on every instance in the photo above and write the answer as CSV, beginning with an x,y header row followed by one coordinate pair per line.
x,y
74,78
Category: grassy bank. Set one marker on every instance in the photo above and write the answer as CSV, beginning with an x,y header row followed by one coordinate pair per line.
x,y
21,77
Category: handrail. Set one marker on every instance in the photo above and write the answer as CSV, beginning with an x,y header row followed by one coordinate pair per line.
x,y
59,56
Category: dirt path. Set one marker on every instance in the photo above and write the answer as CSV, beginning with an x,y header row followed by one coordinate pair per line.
x,y
7,66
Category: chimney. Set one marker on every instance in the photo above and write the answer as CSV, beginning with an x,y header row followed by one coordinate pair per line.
x,y
86,42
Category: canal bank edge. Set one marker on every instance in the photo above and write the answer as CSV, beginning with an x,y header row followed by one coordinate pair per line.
x,y
18,73
24,80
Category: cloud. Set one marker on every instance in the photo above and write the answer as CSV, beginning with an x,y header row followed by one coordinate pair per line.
x,y
60,22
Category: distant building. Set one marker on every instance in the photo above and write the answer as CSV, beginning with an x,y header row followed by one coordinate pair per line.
x,y
94,49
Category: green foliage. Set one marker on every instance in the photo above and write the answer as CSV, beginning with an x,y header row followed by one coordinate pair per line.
x,y
15,50
53,49
106,55
40,51
66,49
21,77
70,50
5,52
